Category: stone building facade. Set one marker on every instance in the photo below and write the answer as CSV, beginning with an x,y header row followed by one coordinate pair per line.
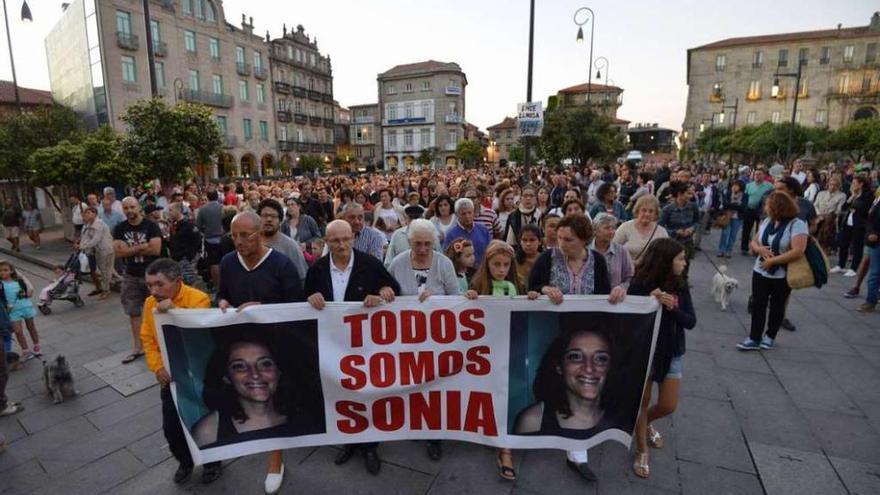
x,y
366,135
730,82
421,106
604,99
98,65
502,137
302,82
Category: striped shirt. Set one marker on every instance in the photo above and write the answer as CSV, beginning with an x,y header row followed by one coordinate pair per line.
x,y
370,241
489,219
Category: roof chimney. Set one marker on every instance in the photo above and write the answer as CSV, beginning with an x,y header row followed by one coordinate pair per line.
x,y
875,22
65,5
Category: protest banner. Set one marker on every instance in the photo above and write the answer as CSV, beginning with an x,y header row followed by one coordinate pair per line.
x,y
505,372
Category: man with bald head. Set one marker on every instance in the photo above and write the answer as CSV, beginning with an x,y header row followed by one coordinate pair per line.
x,y
137,241
255,273
346,274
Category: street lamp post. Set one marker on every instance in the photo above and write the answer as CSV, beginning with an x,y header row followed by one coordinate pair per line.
x,y
599,66
735,108
580,37
151,57
526,154
25,16
797,89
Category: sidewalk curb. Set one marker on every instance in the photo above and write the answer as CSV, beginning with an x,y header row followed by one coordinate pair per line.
x,y
26,257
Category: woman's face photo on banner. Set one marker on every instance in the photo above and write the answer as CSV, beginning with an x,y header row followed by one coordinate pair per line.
x,y
248,382
571,377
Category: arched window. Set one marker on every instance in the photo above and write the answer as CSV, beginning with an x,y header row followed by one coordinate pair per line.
x,y
865,113
210,12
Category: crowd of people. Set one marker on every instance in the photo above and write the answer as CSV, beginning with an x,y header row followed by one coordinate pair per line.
x,y
625,228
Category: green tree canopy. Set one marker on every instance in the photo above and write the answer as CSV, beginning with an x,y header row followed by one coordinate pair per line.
x,y
469,152
21,135
165,142
427,156
861,137
579,134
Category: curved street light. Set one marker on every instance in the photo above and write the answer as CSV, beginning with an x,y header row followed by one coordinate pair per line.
x,y
25,16
580,37
598,65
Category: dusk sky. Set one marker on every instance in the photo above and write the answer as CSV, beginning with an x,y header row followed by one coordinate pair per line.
x,y
645,42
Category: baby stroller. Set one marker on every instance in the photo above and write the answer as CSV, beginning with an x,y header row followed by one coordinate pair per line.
x,y
65,287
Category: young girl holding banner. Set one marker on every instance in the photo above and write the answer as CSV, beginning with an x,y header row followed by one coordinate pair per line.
x,y
497,277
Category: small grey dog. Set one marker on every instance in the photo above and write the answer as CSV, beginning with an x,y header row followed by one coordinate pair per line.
x,y
59,379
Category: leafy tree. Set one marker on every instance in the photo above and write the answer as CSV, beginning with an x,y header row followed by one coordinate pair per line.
x,y
310,162
579,134
516,153
427,156
166,142
861,137
93,160
469,152
21,135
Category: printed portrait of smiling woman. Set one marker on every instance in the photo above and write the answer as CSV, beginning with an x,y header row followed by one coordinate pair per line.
x,y
570,387
247,391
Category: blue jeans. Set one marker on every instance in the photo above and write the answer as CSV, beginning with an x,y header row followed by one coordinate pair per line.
x,y
728,235
873,275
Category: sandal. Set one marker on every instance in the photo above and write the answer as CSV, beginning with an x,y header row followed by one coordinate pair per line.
x,y
131,357
654,438
506,472
640,466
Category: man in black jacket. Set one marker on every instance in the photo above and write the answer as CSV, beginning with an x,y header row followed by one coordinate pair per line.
x,y
184,244
346,274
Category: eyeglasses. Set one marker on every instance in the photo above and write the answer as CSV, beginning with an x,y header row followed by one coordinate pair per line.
x,y
599,359
263,364
340,240
243,235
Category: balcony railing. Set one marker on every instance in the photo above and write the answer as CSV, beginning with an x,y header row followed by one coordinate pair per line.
x,y
282,87
365,119
299,91
454,118
328,123
315,147
314,95
230,141
329,148
452,90
757,65
315,121
450,146
283,115
302,146
243,69
127,41
160,48
285,145
300,118
327,98
261,73
206,98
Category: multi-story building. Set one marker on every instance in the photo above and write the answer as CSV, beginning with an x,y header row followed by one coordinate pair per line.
x,y
731,82
98,65
341,136
365,134
303,91
421,106
502,137
602,98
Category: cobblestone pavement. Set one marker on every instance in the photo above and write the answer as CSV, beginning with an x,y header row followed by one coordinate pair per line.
x,y
803,418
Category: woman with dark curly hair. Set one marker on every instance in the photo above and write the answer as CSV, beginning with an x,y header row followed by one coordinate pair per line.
x,y
570,386
249,394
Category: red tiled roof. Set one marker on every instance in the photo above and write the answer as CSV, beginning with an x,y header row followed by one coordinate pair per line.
x,y
616,120
430,65
582,88
507,123
843,33
28,96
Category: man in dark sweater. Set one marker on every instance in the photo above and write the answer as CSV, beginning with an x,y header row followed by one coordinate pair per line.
x,y
257,274
346,274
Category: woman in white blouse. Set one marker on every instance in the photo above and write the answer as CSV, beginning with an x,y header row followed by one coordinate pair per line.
x,y
637,233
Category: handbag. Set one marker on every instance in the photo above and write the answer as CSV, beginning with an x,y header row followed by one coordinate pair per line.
x,y
722,220
810,270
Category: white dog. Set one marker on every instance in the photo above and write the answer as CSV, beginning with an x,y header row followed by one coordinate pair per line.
x,y
723,286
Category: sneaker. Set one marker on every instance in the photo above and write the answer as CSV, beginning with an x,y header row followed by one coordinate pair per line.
x,y
766,343
851,294
849,273
835,269
37,352
867,308
788,325
720,255
748,345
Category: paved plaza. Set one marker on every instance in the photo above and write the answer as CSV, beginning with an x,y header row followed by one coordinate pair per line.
x,y
801,419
